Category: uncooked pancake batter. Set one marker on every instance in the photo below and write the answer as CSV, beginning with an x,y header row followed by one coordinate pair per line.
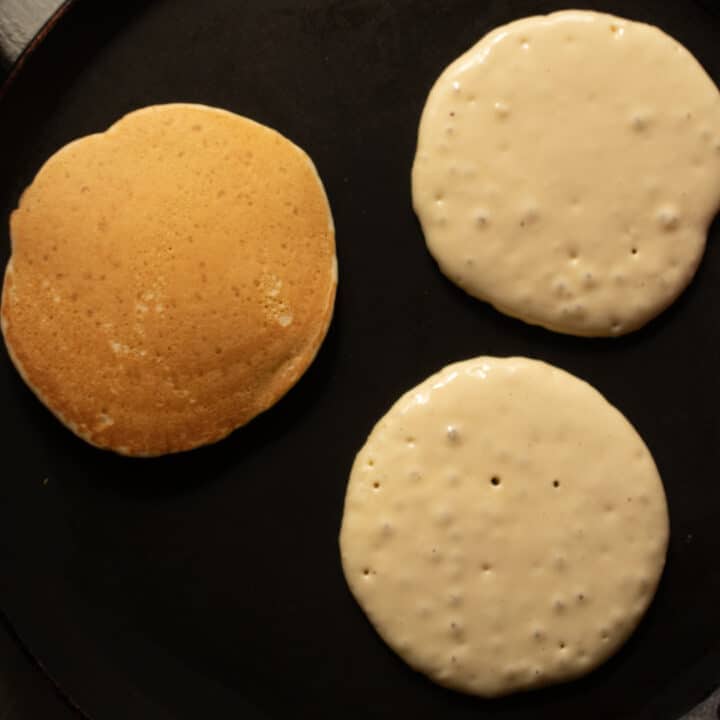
x,y
505,527
567,170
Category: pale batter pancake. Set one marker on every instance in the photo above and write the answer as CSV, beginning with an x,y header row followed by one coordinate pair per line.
x,y
170,278
505,527
567,170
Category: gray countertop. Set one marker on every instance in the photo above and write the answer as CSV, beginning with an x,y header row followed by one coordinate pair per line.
x,y
19,21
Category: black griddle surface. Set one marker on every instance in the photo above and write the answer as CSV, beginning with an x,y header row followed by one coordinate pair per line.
x,y
209,584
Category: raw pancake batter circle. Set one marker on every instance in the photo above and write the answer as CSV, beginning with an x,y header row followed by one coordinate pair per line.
x,y
505,527
170,278
567,170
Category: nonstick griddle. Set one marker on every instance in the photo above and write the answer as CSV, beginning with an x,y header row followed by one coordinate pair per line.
x,y
208,584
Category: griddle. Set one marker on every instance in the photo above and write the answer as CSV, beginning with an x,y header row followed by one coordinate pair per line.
x,y
208,584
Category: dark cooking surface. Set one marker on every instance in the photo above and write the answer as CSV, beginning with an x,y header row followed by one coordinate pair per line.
x,y
209,584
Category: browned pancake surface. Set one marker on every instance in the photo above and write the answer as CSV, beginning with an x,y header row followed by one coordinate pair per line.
x,y
170,278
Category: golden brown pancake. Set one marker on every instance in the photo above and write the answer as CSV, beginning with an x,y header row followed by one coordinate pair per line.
x,y
170,278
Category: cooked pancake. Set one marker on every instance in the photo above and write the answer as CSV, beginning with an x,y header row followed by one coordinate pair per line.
x,y
169,279
567,170
505,527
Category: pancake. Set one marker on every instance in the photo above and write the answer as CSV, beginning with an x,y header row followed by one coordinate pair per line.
x,y
568,169
169,279
505,527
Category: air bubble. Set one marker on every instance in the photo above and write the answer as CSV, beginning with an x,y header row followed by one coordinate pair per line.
x,y
640,122
443,518
529,216
668,217
502,109
481,219
454,480
455,600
